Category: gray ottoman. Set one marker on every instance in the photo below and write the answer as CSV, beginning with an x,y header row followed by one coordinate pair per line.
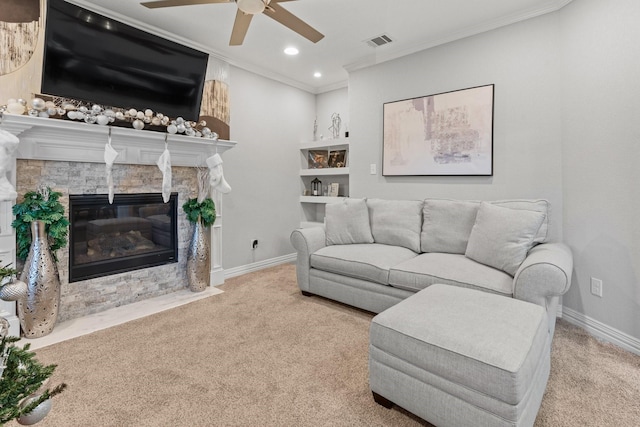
x,y
461,357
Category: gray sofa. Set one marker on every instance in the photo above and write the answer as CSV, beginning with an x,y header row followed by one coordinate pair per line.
x,y
374,253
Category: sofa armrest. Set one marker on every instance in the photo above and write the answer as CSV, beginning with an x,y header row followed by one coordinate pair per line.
x,y
544,274
306,241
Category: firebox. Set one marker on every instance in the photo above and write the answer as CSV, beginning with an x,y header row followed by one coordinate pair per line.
x,y
136,231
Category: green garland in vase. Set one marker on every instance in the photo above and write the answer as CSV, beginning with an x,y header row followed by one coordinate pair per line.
x,y
204,211
42,205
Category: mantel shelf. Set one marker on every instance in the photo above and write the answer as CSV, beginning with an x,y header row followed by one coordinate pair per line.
x,y
66,140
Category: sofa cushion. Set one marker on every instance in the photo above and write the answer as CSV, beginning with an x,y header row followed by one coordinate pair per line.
x,y
427,269
361,261
396,222
501,237
347,222
447,225
542,206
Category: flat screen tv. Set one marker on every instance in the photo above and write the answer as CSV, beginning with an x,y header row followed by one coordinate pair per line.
x,y
93,58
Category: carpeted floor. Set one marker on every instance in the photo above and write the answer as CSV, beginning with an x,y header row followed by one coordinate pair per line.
x,y
261,354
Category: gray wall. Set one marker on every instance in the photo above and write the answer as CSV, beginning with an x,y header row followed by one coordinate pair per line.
x,y
523,62
601,151
335,101
269,120
566,128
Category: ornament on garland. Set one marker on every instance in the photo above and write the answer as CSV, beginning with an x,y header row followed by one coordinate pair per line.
x,y
59,107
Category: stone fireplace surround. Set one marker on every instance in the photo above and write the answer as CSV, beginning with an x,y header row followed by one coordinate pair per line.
x,y
68,157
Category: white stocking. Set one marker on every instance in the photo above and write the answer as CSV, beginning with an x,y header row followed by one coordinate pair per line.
x,y
110,155
216,177
8,144
164,164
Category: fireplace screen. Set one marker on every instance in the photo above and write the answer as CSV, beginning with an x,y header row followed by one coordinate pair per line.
x,y
136,231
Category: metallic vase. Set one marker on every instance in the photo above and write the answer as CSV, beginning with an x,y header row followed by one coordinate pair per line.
x,y
38,311
199,258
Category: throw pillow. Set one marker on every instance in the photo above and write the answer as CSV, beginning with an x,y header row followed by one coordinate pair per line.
x,y
501,237
540,205
396,222
347,222
447,225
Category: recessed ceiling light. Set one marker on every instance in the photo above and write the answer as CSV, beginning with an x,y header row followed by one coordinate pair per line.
x,y
291,51
317,74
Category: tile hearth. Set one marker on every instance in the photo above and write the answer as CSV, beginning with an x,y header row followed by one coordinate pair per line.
x,y
115,316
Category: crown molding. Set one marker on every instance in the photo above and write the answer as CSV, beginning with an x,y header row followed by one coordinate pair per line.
x,y
379,55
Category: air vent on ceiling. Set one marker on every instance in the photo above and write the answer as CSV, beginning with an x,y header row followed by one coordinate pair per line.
x,y
380,40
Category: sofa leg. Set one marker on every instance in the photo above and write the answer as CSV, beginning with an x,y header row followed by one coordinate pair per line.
x,y
382,401
307,294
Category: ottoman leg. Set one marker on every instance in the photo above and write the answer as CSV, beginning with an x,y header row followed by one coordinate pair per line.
x,y
306,294
382,401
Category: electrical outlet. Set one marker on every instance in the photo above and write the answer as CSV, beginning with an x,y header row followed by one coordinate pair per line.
x,y
254,243
596,287
372,169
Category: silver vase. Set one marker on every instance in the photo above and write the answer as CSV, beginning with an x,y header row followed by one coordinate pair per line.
x,y
199,258
38,311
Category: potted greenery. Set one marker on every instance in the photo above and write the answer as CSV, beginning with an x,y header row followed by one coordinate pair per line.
x,y
201,212
204,211
42,205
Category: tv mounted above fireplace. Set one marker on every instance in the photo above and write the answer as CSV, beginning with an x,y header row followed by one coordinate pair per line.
x,y
136,231
93,58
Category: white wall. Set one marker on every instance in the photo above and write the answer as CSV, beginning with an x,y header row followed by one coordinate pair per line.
x,y
522,61
601,153
269,120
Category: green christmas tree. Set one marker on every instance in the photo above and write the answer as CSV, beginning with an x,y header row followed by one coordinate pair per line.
x,y
21,375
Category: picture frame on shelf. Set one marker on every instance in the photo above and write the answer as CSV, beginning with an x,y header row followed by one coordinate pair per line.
x,y
337,158
333,189
317,159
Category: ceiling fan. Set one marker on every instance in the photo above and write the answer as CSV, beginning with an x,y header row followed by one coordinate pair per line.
x,y
246,10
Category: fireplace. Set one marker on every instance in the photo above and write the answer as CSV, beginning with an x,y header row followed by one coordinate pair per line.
x,y
136,231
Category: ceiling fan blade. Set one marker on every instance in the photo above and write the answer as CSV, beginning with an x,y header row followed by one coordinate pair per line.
x,y
172,3
240,27
289,20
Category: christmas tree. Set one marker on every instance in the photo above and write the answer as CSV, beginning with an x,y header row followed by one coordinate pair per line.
x,y
21,377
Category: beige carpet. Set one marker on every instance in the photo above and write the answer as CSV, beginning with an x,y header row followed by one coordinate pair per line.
x,y
261,354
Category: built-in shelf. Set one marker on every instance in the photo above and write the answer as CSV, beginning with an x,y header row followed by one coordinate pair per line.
x,y
313,207
324,171
319,199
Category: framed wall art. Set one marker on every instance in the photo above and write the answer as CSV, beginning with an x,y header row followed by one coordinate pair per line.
x,y
449,133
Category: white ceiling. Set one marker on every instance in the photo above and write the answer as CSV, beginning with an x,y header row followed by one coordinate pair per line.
x,y
414,25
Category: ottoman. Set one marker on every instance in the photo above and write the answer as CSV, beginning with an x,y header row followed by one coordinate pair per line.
x,y
461,357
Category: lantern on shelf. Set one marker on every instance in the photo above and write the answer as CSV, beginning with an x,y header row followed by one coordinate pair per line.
x,y
316,187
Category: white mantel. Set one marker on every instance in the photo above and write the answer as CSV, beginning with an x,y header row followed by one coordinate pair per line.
x,y
73,141
68,140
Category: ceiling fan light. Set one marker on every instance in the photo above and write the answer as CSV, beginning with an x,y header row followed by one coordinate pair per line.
x,y
251,7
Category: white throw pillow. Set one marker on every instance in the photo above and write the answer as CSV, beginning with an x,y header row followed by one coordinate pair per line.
x,y
347,222
447,225
396,222
501,237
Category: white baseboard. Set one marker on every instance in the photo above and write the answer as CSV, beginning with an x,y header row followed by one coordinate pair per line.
x,y
602,331
260,265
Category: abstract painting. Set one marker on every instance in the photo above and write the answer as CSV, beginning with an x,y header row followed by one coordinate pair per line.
x,y
449,133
